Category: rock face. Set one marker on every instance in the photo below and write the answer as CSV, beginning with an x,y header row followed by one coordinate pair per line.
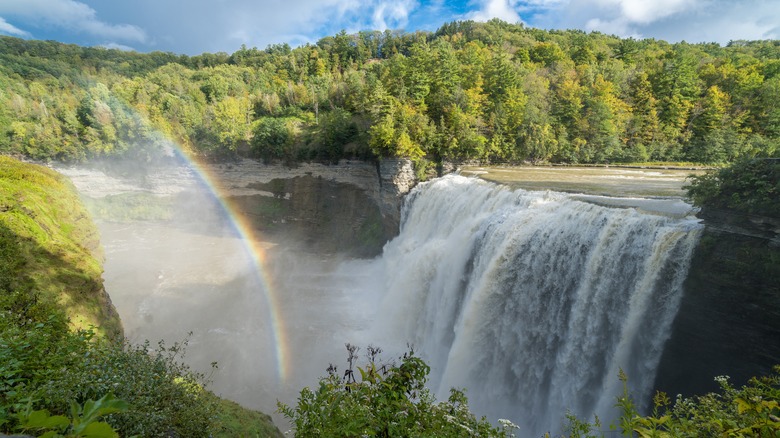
x,y
352,207
384,183
729,317
396,179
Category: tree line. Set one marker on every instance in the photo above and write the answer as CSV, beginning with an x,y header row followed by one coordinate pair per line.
x,y
489,92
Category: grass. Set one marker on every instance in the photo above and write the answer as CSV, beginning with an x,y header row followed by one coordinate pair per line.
x,y
234,420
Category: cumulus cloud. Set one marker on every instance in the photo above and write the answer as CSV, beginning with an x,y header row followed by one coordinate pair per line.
x,y
503,9
392,15
71,15
642,11
673,20
259,23
622,17
9,29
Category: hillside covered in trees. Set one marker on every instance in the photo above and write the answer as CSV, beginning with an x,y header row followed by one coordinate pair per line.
x,y
491,91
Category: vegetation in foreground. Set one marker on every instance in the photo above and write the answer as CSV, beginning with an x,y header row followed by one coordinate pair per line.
x,y
391,400
64,370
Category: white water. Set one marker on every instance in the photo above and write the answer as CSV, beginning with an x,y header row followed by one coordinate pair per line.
x,y
533,301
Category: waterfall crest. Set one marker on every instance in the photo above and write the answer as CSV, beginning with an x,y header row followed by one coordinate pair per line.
x,y
533,301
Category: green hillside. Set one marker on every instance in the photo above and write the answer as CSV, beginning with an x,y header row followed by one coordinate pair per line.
x,y
50,251
61,344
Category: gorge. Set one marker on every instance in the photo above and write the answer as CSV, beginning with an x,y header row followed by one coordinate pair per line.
x,y
532,301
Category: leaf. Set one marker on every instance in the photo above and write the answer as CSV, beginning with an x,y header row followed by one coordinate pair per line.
x,y
108,404
742,405
98,430
42,420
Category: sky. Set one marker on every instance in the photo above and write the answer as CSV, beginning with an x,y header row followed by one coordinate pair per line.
x,y
196,26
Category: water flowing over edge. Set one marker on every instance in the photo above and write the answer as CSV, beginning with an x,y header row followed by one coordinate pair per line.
x,y
533,301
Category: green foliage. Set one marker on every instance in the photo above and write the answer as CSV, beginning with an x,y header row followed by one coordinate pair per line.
x,y
273,137
753,410
383,400
57,376
82,422
336,131
49,251
235,421
44,368
747,186
472,91
391,399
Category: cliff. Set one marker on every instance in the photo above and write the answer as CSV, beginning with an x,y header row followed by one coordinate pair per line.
x,y
296,204
729,318
50,250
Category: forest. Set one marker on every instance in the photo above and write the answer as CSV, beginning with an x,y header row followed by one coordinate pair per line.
x,y
470,92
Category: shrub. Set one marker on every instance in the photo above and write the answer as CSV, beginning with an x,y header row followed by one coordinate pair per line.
x,y
747,186
49,369
383,400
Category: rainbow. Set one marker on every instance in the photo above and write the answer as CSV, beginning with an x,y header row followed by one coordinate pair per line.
x,y
256,252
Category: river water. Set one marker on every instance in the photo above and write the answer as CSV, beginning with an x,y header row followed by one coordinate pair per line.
x,y
530,300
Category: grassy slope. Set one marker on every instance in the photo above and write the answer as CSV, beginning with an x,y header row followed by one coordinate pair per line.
x,y
53,245
50,261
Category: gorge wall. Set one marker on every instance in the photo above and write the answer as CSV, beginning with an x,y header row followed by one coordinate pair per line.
x,y
351,207
729,318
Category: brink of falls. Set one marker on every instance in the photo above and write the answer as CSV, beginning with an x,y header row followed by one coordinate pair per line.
x,y
532,301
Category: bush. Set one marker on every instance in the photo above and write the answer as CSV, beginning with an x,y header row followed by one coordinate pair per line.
x,y
389,400
50,369
383,400
748,186
753,410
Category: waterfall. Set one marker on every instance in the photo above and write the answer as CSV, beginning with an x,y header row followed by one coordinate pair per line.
x,y
533,301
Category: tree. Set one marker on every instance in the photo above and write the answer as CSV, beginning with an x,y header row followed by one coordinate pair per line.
x,y
230,121
643,125
272,138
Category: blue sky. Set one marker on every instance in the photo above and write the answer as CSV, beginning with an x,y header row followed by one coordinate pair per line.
x,y
196,26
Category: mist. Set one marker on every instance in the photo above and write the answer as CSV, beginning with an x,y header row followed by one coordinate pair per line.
x,y
191,277
510,294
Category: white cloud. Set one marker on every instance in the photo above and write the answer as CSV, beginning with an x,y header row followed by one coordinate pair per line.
x,y
643,11
502,9
622,17
9,29
71,15
392,15
672,20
